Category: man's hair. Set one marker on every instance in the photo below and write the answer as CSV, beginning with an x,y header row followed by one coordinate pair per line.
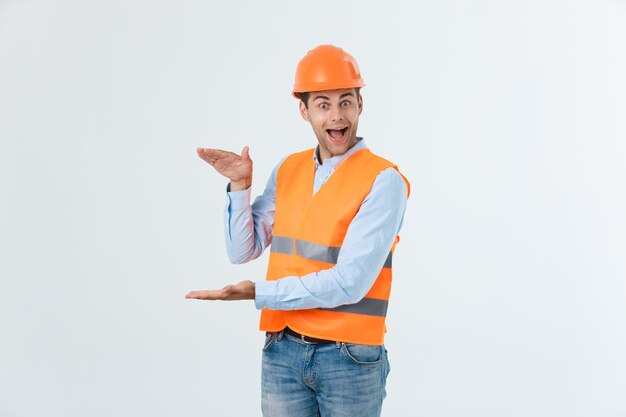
x,y
304,97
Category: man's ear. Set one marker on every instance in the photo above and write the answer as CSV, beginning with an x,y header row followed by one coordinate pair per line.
x,y
304,112
360,104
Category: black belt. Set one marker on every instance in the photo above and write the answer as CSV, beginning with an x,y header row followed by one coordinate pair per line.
x,y
307,339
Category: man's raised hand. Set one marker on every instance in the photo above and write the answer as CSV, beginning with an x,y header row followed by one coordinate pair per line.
x,y
238,169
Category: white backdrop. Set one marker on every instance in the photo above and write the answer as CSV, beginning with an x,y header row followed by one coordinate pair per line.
x,y
509,118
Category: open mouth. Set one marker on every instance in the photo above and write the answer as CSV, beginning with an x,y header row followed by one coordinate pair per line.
x,y
337,135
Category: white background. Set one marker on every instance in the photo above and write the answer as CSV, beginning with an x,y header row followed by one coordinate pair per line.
x,y
508,117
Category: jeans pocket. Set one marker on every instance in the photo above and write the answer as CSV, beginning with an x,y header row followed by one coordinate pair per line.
x,y
269,339
362,354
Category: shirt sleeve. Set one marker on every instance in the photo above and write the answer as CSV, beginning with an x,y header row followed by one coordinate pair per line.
x,y
365,248
248,229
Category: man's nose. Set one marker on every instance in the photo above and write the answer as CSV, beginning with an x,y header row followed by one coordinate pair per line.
x,y
336,113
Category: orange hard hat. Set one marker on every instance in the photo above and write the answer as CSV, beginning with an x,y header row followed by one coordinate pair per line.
x,y
326,67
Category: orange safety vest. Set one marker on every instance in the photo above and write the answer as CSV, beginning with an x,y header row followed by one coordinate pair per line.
x,y
308,233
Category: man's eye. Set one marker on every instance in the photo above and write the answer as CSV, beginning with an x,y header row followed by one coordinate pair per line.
x,y
345,103
323,106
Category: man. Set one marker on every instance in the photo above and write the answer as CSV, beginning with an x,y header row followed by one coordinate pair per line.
x,y
332,215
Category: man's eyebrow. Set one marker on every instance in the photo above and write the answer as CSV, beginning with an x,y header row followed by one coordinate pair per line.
x,y
350,94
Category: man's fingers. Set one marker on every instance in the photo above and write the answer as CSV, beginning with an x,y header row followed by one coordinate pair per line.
x,y
243,291
205,153
206,294
213,156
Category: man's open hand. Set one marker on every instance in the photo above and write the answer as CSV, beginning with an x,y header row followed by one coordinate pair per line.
x,y
238,169
242,291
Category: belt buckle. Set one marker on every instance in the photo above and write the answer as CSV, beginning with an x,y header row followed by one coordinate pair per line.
x,y
302,337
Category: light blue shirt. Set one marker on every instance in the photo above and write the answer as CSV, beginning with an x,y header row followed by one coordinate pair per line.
x,y
248,231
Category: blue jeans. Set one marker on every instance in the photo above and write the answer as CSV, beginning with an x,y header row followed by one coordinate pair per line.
x,y
327,380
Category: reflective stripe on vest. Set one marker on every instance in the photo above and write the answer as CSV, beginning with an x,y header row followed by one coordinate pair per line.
x,y
330,254
313,251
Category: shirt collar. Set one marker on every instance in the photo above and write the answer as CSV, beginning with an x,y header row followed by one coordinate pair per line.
x,y
335,161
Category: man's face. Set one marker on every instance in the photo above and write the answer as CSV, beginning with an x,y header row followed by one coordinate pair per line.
x,y
334,117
